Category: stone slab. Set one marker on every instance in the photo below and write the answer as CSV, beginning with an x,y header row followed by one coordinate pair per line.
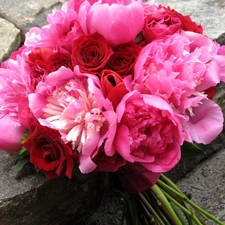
x,y
205,185
10,39
25,14
31,199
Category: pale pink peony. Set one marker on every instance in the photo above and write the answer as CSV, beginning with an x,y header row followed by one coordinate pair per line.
x,y
118,21
148,132
179,68
69,104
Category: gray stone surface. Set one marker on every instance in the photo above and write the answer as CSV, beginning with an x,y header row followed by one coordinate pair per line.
x,y
10,39
24,14
206,185
30,199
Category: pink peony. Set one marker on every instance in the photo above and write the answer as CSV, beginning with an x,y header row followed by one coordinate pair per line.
x,y
180,68
148,132
110,19
59,34
14,88
69,104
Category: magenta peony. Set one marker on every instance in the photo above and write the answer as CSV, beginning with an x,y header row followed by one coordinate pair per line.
x,y
148,132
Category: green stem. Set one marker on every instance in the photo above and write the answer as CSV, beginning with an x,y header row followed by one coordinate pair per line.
x,y
195,206
179,216
183,208
132,210
165,202
149,207
170,183
164,214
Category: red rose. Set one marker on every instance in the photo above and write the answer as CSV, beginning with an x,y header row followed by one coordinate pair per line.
x,y
113,86
123,58
58,59
91,53
48,153
37,59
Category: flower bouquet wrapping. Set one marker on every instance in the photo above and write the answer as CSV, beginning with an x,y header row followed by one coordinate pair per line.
x,y
115,86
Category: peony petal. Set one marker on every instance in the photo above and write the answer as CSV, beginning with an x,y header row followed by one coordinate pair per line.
x,y
11,133
123,143
86,164
206,124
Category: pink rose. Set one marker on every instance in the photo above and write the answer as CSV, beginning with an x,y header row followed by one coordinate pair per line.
x,y
148,132
110,19
161,21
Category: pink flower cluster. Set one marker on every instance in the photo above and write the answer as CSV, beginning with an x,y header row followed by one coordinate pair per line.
x,y
109,82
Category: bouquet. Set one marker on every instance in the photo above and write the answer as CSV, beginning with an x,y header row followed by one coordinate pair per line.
x,y
115,86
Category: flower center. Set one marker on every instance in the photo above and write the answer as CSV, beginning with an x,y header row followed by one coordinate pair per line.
x,y
74,112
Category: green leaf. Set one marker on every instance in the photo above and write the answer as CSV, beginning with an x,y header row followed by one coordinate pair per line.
x,y
22,151
24,138
190,150
19,165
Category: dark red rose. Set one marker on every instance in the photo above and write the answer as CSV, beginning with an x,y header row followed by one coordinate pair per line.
x,y
91,53
123,58
135,178
113,86
58,59
37,58
210,92
48,152
108,163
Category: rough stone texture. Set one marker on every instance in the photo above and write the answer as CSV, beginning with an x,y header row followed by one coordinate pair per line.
x,y
10,39
32,200
206,185
26,14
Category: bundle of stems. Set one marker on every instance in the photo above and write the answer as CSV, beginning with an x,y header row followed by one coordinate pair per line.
x,y
164,204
